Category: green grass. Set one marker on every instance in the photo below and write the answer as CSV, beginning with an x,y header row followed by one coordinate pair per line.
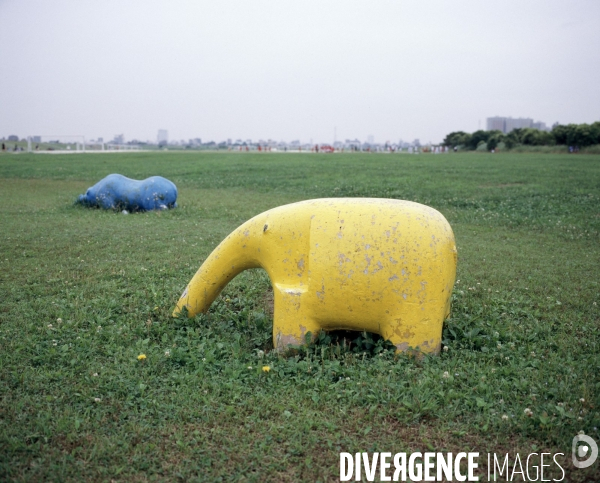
x,y
524,331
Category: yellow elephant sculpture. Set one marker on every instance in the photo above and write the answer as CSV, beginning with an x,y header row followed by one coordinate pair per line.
x,y
380,265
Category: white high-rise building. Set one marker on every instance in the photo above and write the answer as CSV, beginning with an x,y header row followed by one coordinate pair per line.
x,y
163,136
507,124
496,124
518,123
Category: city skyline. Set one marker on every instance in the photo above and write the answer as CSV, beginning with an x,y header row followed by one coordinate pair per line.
x,y
500,123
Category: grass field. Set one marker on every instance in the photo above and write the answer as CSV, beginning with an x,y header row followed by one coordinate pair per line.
x,y
84,292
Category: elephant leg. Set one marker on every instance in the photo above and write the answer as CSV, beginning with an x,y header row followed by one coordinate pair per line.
x,y
418,328
291,319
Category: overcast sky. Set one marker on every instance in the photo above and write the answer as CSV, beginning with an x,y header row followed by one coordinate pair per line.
x,y
288,70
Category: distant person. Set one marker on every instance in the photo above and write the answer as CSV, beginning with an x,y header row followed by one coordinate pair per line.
x,y
15,148
3,147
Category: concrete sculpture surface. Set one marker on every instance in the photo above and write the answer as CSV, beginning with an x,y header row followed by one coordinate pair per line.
x,y
121,193
380,265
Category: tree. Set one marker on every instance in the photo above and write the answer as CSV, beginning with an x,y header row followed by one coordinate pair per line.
x,y
535,137
496,138
560,133
595,127
456,138
479,136
513,138
582,135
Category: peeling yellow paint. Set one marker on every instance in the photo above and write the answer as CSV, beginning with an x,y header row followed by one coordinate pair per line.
x,y
331,285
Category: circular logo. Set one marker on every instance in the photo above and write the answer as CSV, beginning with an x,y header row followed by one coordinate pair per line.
x,y
584,446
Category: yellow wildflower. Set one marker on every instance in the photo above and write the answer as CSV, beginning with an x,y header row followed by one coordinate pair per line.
x,y
266,368
141,357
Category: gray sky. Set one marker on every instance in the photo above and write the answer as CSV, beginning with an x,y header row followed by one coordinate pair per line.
x,y
294,70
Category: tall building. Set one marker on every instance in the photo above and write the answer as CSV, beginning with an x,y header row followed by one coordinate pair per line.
x,y
507,124
496,124
518,123
162,137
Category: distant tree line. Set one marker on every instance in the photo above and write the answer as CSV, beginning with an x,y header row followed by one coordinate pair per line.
x,y
575,135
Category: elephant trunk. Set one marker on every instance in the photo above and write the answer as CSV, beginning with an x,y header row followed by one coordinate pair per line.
x,y
238,252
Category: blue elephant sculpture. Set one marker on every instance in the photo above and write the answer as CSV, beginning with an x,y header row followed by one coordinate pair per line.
x,y
118,192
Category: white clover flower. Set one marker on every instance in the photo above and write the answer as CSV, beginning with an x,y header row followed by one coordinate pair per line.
x,y
582,400
260,354
528,412
446,375
249,368
204,359
504,417
97,399
95,374
446,348
50,326
167,353
59,320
